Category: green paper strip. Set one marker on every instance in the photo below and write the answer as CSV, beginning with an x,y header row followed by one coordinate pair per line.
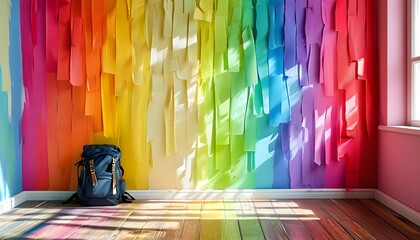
x,y
251,76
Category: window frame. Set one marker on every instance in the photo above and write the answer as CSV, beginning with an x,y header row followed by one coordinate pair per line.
x,y
410,63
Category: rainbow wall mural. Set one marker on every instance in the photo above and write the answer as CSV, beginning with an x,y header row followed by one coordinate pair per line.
x,y
206,94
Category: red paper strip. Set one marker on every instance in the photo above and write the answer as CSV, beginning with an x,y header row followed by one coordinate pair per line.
x,y
63,67
76,68
93,57
352,7
341,16
34,21
98,16
357,32
64,127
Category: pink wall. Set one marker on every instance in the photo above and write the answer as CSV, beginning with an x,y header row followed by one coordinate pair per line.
x,y
399,153
392,55
399,166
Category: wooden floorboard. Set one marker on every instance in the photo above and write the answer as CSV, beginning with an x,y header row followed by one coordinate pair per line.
x,y
191,227
409,229
311,209
377,227
249,224
211,219
134,222
270,224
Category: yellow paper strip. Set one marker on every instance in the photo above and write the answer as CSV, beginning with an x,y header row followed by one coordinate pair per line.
x,y
124,68
169,114
108,105
108,49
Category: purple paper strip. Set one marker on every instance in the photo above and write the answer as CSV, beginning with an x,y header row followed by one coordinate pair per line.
x,y
308,140
290,36
313,64
319,152
295,133
303,73
314,24
301,51
312,175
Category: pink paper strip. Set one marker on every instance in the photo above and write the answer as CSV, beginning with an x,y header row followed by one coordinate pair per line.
x,y
52,33
34,147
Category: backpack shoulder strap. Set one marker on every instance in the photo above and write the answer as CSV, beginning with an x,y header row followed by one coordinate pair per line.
x,y
71,198
127,198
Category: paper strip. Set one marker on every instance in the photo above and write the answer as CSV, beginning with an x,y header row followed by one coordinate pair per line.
x,y
250,123
109,46
261,40
276,32
251,77
180,115
329,49
15,58
76,58
124,67
222,84
108,105
235,51
239,97
169,114
64,41
204,10
290,38
314,24
265,159
4,61
34,148
138,39
301,47
282,156
341,15
52,33
296,133
98,18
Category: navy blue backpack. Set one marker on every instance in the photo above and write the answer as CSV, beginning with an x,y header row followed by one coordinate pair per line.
x,y
100,181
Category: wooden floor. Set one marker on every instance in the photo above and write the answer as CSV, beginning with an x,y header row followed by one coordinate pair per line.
x,y
217,219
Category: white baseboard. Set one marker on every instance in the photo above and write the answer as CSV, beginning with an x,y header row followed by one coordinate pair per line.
x,y
252,194
230,194
12,202
398,207
47,195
